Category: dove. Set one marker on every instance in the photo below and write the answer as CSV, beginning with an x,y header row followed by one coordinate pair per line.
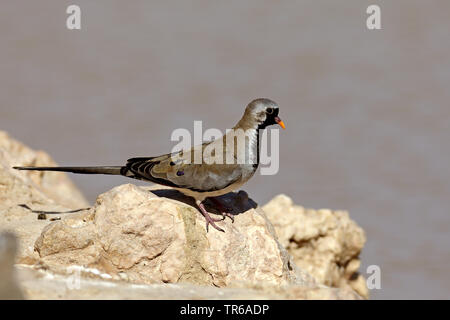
x,y
225,163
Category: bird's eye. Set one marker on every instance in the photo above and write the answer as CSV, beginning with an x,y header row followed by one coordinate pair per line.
x,y
269,110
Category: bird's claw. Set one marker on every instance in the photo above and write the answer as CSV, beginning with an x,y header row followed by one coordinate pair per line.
x,y
224,210
229,215
209,219
208,222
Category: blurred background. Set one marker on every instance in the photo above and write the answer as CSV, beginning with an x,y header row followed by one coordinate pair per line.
x,y
367,112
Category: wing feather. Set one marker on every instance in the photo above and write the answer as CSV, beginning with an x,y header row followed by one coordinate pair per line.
x,y
178,170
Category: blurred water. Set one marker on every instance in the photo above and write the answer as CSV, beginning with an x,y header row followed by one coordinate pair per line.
x,y
367,111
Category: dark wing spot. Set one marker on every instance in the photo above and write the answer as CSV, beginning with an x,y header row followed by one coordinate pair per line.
x,y
180,173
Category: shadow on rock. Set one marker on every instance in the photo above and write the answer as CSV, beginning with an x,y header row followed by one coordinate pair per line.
x,y
233,202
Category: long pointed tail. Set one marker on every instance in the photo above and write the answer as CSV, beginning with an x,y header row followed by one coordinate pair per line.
x,y
115,170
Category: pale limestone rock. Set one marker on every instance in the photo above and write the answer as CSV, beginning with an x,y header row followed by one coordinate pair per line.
x,y
25,225
42,284
39,190
33,186
324,243
153,239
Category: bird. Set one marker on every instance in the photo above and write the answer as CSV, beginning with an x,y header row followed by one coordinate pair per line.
x,y
207,178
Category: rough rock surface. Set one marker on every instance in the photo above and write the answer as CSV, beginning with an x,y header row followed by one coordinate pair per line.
x,y
150,238
324,243
42,284
39,190
33,186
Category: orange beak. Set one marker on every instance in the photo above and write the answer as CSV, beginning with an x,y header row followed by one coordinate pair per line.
x,y
280,122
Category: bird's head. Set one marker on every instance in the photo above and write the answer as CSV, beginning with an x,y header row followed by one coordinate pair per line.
x,y
262,113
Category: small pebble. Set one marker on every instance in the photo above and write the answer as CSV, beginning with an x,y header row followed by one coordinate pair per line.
x,y
42,216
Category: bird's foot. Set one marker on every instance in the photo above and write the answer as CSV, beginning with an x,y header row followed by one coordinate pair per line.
x,y
223,210
208,218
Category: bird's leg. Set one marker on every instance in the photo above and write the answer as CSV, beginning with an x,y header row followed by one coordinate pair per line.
x,y
223,210
208,218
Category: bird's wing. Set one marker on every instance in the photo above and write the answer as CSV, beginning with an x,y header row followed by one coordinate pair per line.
x,y
179,170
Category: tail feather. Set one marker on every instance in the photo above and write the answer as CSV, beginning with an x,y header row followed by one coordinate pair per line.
x,y
114,170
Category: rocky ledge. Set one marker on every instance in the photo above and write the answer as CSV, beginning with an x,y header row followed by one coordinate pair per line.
x,y
151,243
